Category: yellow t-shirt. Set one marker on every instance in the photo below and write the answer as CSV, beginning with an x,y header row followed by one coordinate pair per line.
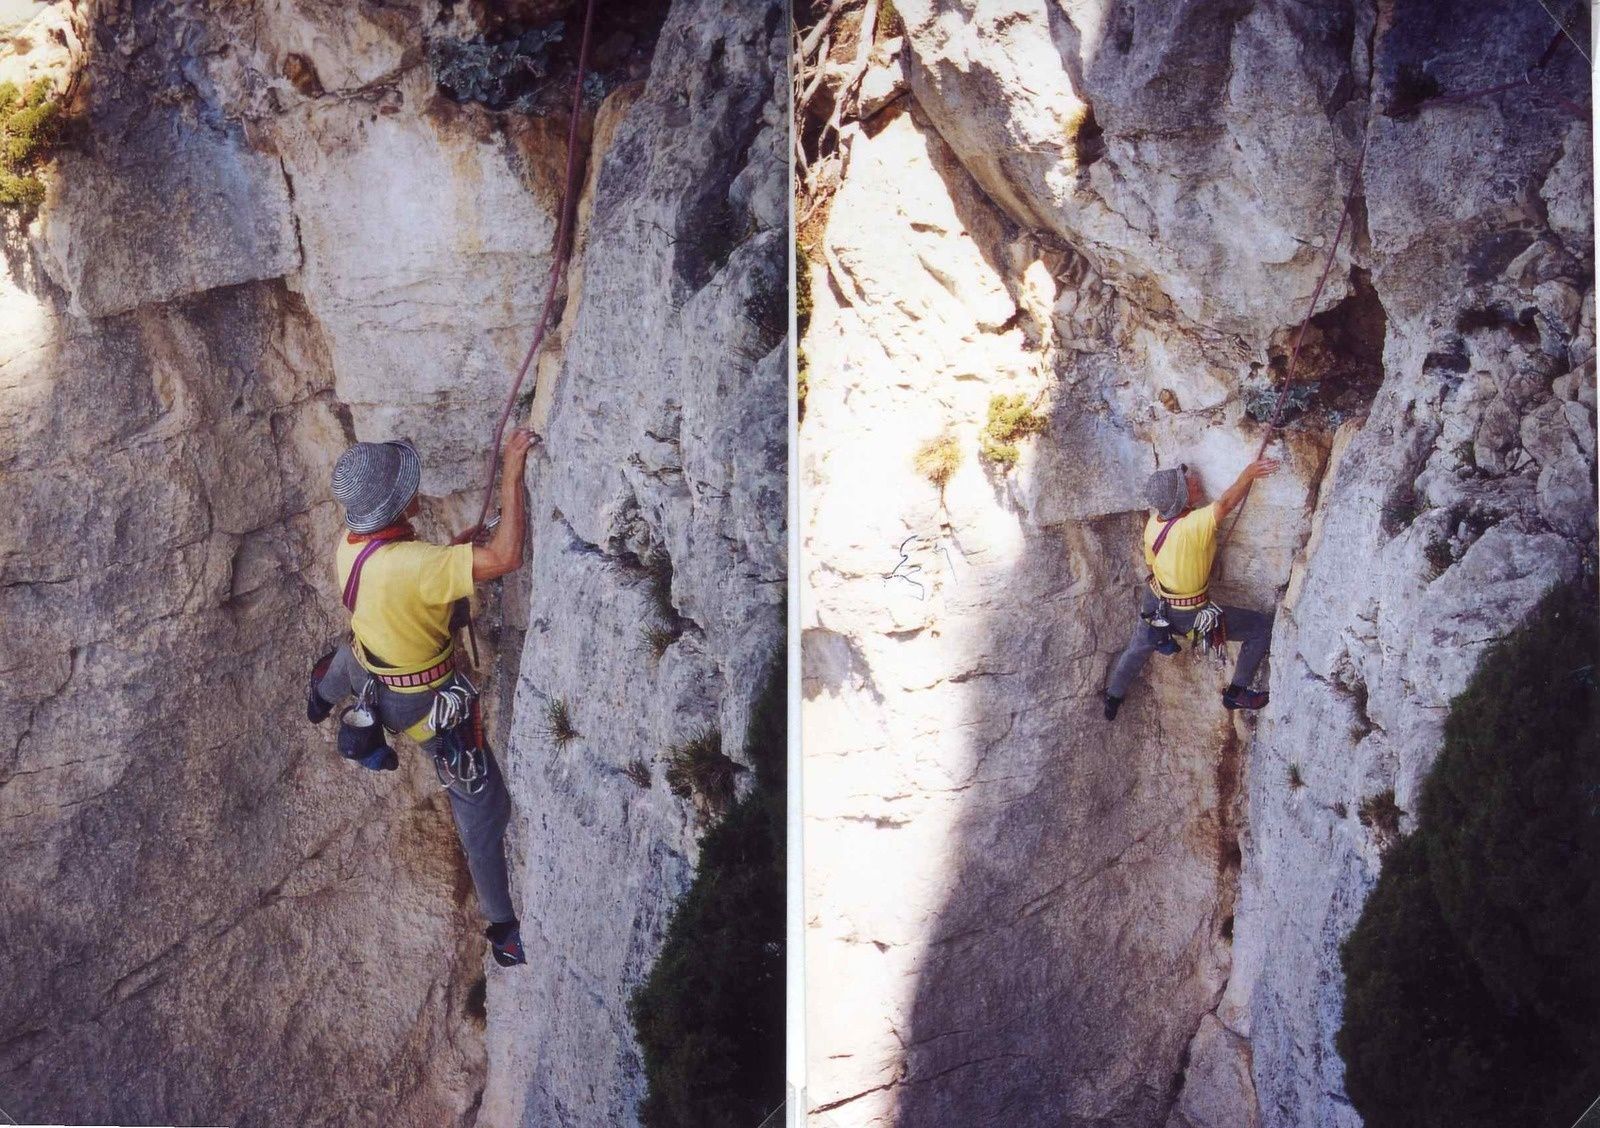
x,y
403,608
1184,566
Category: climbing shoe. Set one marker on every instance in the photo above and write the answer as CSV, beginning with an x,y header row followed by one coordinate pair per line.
x,y
1112,705
505,942
317,709
1236,698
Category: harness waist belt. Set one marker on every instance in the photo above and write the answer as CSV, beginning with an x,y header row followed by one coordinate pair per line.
x,y
421,677
1199,600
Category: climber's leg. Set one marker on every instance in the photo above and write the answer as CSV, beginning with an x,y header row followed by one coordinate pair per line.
x,y
1253,631
481,822
1140,647
334,677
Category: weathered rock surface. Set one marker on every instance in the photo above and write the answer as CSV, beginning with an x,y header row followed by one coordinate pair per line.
x,y
268,234
657,502
1018,913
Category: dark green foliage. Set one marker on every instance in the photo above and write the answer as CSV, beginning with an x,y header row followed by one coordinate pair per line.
x,y
1472,992
27,126
710,1019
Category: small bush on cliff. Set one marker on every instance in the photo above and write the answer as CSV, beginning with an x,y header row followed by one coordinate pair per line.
x,y
710,1019
1011,418
938,459
698,769
1472,994
27,125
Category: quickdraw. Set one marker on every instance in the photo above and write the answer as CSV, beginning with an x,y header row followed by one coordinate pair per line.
x,y
459,759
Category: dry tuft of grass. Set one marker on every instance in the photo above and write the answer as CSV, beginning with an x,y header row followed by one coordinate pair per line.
x,y
698,769
659,639
938,459
1381,814
558,724
639,773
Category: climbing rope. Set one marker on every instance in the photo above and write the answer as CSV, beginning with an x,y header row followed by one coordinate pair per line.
x,y
1275,424
569,201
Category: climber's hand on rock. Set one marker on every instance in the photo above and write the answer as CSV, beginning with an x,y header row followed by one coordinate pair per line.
x,y
516,452
1260,468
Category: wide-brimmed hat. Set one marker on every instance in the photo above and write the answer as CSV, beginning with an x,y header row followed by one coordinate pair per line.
x,y
1167,491
375,482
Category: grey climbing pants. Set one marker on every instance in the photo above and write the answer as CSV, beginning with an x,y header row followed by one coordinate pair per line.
x,y
1251,629
481,819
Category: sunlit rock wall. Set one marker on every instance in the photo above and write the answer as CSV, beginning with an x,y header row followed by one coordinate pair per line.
x,y
1016,911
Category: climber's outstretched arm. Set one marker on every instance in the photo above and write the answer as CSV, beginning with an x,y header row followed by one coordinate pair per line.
x,y
1234,494
503,553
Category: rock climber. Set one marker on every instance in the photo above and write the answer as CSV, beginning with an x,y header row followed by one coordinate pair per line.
x,y
1180,544
401,666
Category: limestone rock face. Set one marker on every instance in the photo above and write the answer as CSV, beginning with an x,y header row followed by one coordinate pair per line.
x,y
269,234
1018,912
657,506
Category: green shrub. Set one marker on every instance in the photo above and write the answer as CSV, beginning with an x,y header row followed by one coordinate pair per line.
x,y
1472,994
28,122
710,1018
938,459
1011,418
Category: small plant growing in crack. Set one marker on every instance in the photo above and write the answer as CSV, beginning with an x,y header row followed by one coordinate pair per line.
x,y
28,125
658,573
698,769
638,772
938,459
558,722
1297,778
658,640
1439,556
1011,419
1381,814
